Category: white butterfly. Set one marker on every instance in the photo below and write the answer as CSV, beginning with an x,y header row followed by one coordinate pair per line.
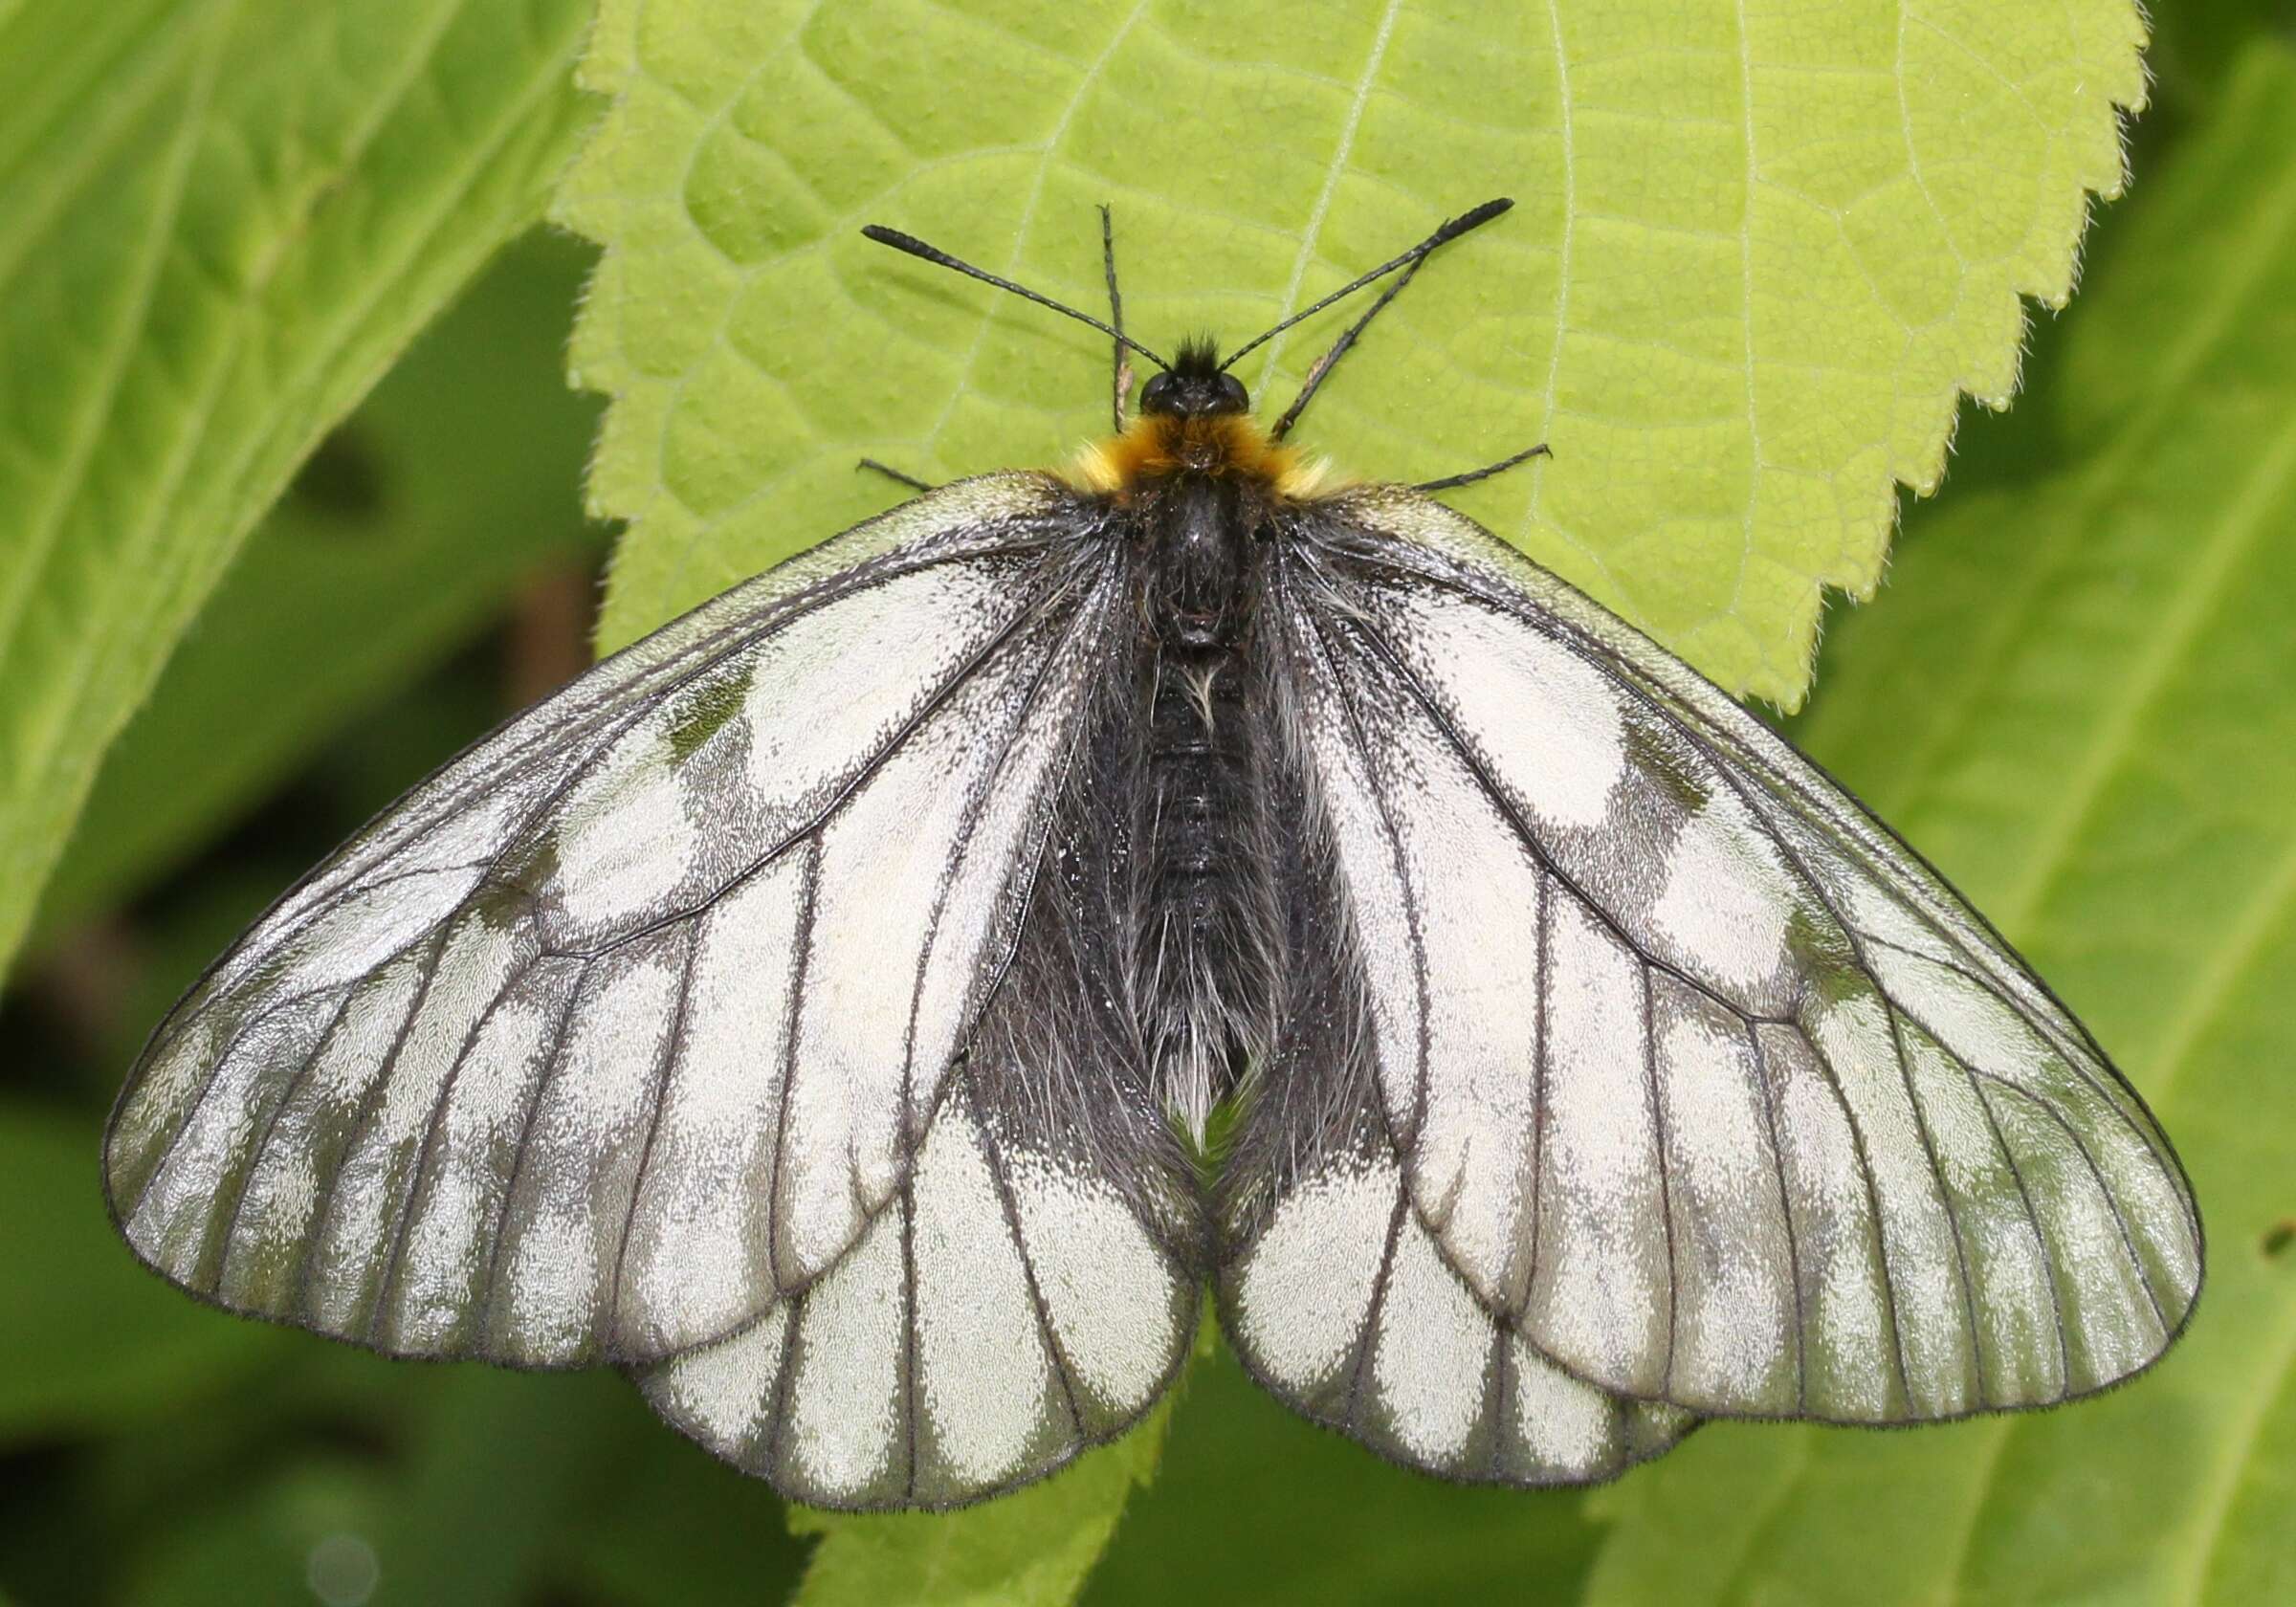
x,y
810,1010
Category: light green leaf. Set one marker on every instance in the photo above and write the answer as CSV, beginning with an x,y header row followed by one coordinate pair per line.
x,y
221,220
1759,251
2080,706
454,482
1033,1549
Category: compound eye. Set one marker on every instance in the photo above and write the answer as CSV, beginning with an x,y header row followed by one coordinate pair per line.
x,y
1232,395
1156,395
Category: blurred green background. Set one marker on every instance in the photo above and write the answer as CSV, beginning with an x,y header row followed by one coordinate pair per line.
x,y
2103,600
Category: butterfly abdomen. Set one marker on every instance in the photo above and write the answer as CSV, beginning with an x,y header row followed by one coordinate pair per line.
x,y
1205,960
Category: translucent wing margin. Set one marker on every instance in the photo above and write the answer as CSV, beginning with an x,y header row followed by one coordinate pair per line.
x,y
1706,1084
627,1022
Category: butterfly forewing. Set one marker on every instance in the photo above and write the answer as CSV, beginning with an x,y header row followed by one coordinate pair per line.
x,y
1701,1080
632,1017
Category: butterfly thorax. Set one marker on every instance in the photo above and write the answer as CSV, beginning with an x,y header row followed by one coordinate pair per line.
x,y
1231,446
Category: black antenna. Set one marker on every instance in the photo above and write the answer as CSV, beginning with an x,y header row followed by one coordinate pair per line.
x,y
1116,375
1451,231
1330,360
915,247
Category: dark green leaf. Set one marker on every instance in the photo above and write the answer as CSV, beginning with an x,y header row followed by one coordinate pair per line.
x,y
90,1338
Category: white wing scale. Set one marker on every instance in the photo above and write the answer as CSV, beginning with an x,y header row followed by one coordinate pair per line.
x,y
1648,1076
1343,1306
1005,1313
1706,1084
1335,1291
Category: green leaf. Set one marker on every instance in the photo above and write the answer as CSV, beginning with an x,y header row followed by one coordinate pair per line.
x,y
2080,706
1254,1504
454,482
1032,1548
92,1339
1759,253
222,219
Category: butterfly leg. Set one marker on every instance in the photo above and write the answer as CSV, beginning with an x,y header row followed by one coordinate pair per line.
x,y
892,474
1486,472
1324,365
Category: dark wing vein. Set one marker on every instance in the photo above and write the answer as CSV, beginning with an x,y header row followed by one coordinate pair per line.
x,y
908,1385
618,707
2120,1217
1521,829
560,1032
1371,776
1794,783
1367,1337
370,1100
826,815
1665,1193
975,802
1785,1216
1728,767
800,951
674,1049
1873,1206
1055,1352
412,1200
2024,1196
271,1123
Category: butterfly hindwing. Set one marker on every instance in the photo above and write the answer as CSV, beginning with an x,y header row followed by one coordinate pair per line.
x,y
1034,1286
632,1017
1334,1290
1701,1080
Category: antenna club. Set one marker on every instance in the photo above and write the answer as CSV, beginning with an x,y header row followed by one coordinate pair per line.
x,y
1450,229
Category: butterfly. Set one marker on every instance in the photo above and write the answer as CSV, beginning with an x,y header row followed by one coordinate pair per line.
x,y
873,1009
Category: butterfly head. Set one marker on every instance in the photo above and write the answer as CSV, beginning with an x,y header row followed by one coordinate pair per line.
x,y
1195,418
1195,387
